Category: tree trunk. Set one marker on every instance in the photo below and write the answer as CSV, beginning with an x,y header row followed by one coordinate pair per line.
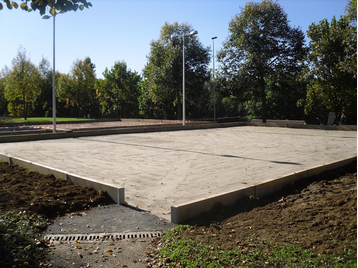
x,y
25,108
263,99
179,106
337,117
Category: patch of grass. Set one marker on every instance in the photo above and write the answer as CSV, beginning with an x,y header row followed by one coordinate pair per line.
x,y
181,251
30,172
20,241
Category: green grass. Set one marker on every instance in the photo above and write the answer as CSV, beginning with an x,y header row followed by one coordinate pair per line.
x,y
30,172
18,120
181,251
20,242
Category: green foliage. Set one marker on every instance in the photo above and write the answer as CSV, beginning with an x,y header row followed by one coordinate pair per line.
x,y
30,172
20,239
332,70
3,101
119,90
22,85
282,95
261,47
179,250
43,101
351,11
42,5
77,89
163,74
147,107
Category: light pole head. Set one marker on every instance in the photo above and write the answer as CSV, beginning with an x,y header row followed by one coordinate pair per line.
x,y
193,32
214,37
45,17
173,36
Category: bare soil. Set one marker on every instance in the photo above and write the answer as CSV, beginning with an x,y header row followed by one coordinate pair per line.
x,y
319,213
22,189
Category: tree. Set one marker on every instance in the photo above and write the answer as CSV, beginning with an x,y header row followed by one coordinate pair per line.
x,y
41,5
119,88
3,102
77,89
332,66
351,11
282,95
163,73
261,48
22,85
43,101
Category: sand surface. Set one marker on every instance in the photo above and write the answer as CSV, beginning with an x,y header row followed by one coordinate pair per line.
x,y
160,169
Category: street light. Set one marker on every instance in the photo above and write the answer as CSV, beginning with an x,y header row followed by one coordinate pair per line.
x,y
214,77
172,37
46,17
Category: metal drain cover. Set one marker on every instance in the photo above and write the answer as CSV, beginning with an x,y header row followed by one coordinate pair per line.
x,y
100,237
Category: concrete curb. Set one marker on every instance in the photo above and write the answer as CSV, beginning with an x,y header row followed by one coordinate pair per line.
x,y
115,192
185,211
302,126
74,133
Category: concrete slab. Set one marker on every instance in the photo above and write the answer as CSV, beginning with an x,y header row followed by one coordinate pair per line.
x,y
162,169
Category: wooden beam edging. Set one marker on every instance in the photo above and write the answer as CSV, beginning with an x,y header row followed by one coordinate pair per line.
x,y
185,211
115,192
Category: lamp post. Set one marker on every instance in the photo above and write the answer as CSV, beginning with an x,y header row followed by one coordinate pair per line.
x,y
214,77
174,36
53,74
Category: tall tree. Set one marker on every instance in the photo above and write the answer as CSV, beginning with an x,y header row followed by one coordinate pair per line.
x,y
53,5
163,73
332,66
261,47
351,11
22,85
4,73
78,88
43,102
119,90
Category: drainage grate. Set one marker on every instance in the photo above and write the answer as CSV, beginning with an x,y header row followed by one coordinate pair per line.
x,y
99,237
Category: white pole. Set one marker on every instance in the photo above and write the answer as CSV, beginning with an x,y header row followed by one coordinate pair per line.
x,y
214,78
54,80
183,79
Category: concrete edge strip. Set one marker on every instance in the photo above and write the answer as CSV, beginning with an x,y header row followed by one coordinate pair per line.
x,y
18,137
115,192
182,212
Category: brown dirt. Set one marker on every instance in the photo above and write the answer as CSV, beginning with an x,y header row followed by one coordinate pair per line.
x,y
319,213
21,189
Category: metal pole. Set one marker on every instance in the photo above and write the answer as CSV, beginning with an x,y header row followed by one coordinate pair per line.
x,y
214,78
54,80
183,79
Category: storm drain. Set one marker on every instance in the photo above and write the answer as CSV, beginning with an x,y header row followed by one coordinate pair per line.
x,y
100,237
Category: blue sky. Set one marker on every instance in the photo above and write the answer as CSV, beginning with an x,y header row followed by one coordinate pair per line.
x,y
121,30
